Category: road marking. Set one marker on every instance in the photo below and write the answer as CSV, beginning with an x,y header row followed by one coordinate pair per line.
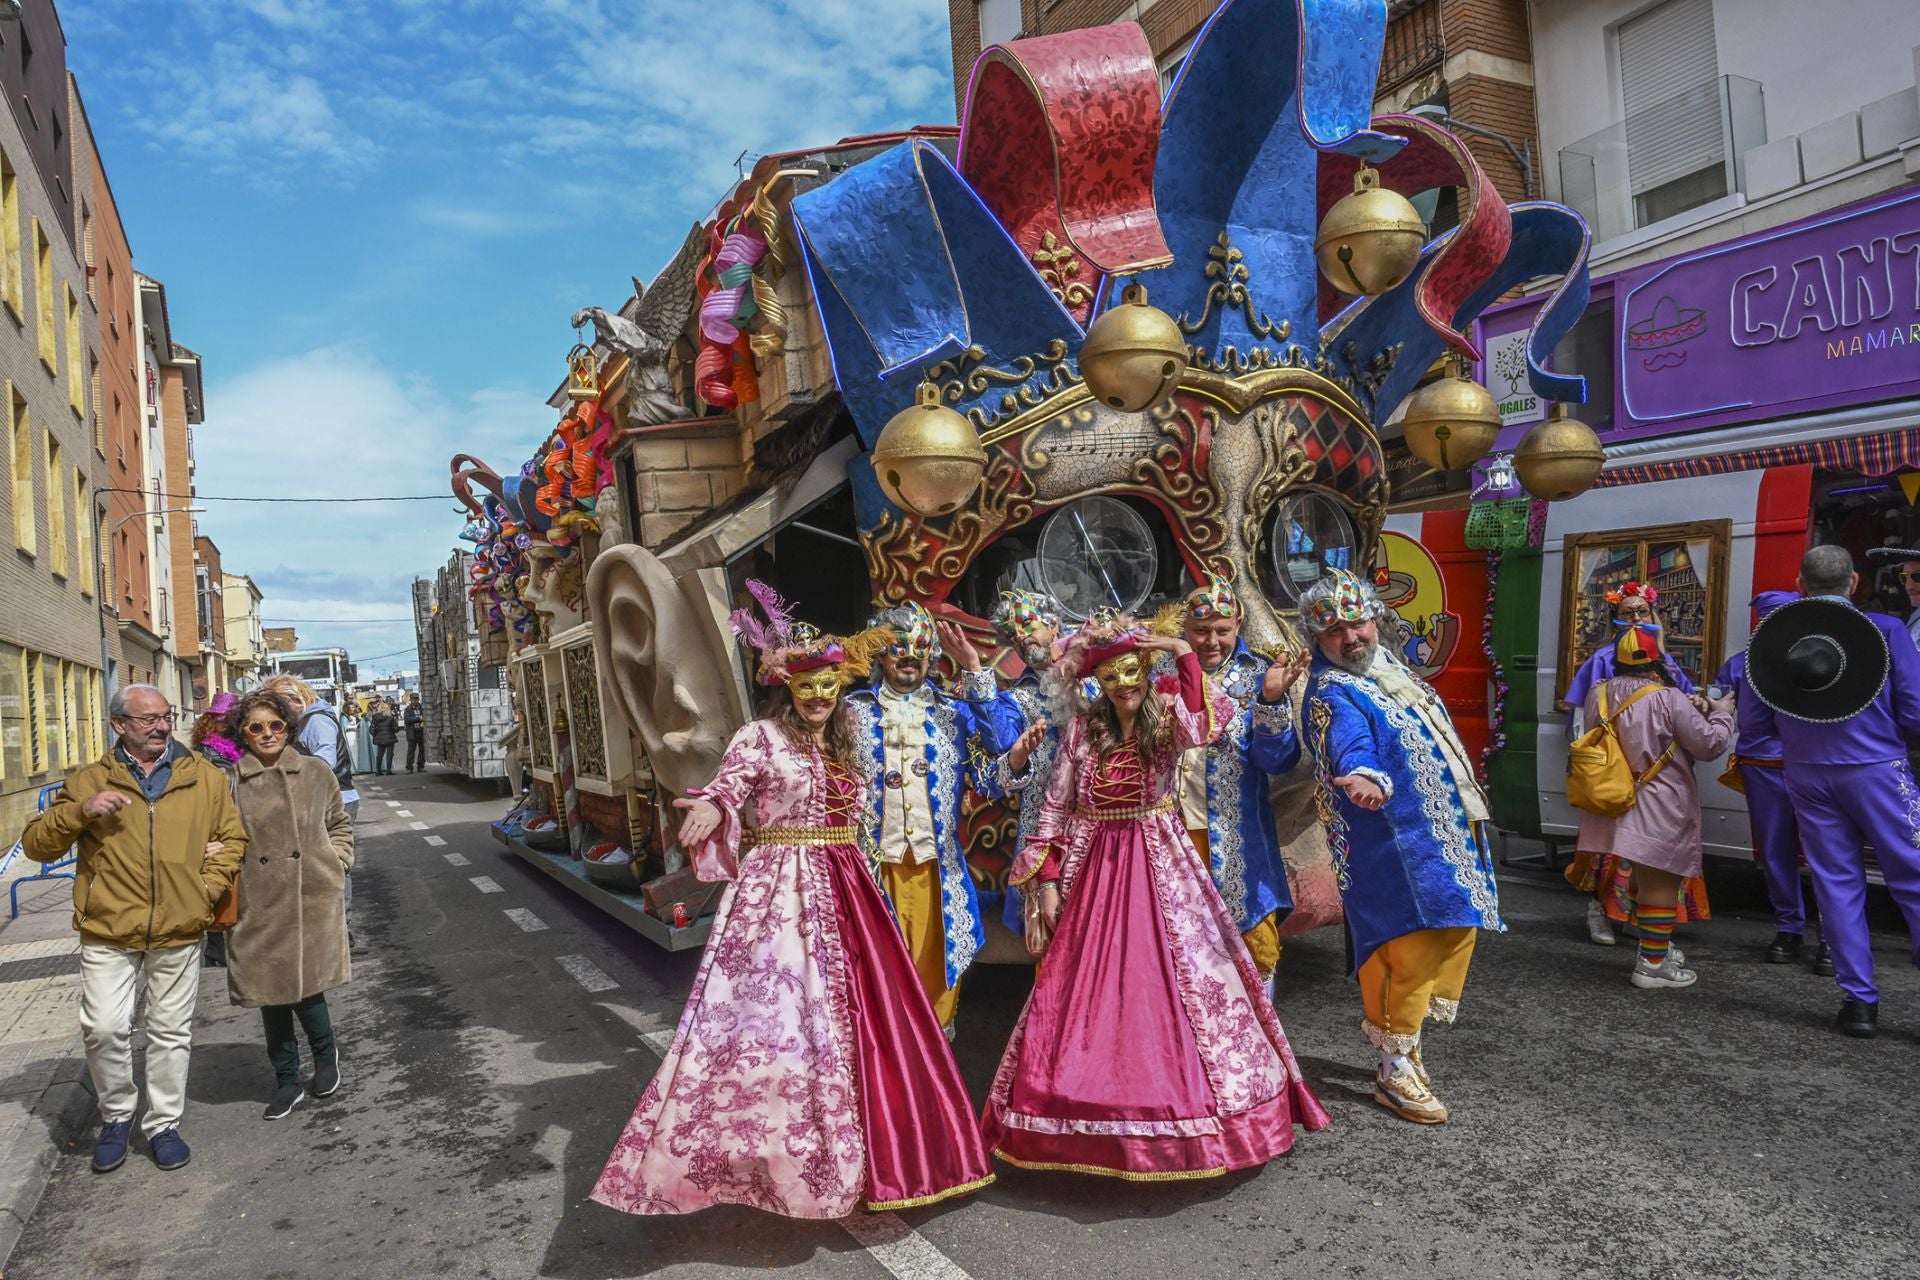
x,y
486,884
393,804
435,841
418,826
896,1246
587,974
900,1249
403,813
458,860
528,922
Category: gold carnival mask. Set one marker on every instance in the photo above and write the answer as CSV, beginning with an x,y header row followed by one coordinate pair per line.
x,y
822,682
1128,671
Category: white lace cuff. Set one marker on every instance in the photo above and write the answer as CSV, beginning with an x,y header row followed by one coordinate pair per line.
x,y
978,686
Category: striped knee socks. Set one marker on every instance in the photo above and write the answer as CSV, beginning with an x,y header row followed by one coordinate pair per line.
x,y
1656,931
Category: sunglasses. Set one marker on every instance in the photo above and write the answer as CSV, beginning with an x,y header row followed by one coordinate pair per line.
x,y
259,727
1908,575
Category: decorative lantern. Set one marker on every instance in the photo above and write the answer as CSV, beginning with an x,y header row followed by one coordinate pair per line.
x,y
583,373
928,458
1370,240
1452,422
1559,459
1134,354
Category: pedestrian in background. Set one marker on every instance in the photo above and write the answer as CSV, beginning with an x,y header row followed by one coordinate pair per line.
x,y
143,895
385,729
211,739
415,720
290,947
1662,732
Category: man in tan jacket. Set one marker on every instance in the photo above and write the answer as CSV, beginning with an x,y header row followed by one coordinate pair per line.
x,y
159,841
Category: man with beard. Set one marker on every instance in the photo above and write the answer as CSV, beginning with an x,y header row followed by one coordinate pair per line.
x,y
1029,624
925,746
1406,824
1223,788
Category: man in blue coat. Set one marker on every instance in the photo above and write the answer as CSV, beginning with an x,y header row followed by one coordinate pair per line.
x,y
1029,624
924,747
1405,821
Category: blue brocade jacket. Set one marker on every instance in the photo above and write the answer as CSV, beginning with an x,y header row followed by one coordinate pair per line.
x,y
998,781
1414,863
962,732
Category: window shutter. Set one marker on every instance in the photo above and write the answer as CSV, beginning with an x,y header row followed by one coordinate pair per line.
x,y
1669,88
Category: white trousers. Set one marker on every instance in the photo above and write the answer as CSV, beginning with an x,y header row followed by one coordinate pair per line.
x,y
111,979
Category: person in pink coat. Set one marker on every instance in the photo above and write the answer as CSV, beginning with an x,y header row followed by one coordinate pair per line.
x,y
1662,732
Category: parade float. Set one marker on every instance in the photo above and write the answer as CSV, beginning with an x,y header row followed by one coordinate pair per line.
x,y
1093,343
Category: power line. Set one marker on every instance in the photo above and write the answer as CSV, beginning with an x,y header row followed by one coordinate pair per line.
x,y
346,622
215,497
396,653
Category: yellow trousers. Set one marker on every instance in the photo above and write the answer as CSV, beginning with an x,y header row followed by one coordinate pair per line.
x,y
1263,940
1412,978
915,890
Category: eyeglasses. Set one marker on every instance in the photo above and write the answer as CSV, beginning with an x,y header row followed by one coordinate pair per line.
x,y
149,722
1908,575
259,727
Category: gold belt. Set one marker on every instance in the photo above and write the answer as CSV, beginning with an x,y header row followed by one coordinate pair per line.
x,y
806,835
1125,815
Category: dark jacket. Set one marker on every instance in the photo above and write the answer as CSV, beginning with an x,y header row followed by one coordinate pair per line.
x,y
385,729
415,719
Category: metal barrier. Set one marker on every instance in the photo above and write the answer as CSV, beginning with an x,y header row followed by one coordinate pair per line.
x,y
60,869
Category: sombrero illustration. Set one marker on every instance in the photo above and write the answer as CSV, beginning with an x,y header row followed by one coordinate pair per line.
x,y
1669,325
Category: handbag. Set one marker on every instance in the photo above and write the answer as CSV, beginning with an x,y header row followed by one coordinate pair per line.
x,y
226,912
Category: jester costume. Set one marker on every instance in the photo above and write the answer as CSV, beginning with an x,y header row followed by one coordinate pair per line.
x,y
1415,874
808,1075
923,747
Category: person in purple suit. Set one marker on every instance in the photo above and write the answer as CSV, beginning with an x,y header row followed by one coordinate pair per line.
x,y
1763,780
1851,784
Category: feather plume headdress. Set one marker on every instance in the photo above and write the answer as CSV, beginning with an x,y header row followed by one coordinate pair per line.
x,y
788,647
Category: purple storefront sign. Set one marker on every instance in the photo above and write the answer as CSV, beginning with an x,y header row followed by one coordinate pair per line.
x,y
1817,314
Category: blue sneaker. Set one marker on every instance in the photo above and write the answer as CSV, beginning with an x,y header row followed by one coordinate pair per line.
x,y
110,1150
169,1151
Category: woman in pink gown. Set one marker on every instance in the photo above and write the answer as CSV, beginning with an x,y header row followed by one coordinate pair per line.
x,y
1148,1049
808,1076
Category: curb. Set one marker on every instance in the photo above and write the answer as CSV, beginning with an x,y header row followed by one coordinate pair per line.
x,y
59,1117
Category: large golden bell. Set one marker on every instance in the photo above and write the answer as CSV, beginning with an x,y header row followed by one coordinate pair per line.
x,y
1134,355
1559,459
928,458
1370,240
1451,423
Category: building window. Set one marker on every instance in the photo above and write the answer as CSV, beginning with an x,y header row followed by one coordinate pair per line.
x,y
15,268
83,525
14,741
93,405
69,717
1676,156
36,718
43,296
26,520
56,487
1686,563
999,21
76,360
86,243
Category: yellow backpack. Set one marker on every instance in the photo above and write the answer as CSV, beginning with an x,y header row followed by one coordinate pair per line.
x,y
1599,779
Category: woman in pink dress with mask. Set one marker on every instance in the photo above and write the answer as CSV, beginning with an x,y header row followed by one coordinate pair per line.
x,y
809,1076
1149,1049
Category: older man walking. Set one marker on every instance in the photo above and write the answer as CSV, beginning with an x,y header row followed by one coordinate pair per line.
x,y
143,894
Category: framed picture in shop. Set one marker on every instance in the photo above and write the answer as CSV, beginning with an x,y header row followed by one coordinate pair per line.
x,y
1686,564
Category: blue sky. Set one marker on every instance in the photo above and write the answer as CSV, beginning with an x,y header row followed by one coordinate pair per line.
x,y
374,218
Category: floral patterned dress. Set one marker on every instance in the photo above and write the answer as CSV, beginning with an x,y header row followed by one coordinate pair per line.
x,y
808,1076
1148,1049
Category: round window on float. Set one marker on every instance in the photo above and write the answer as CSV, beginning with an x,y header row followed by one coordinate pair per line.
x,y
1097,553
1308,534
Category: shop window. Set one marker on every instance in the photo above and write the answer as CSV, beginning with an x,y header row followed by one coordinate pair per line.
x,y
37,703
1308,534
1587,350
1685,563
70,718
13,712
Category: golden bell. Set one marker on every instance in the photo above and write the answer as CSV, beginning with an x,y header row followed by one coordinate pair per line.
x,y
928,458
1134,354
583,374
1451,423
1370,240
1559,459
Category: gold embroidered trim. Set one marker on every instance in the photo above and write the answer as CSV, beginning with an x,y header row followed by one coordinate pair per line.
x,y
1126,1175
1125,815
882,1206
806,835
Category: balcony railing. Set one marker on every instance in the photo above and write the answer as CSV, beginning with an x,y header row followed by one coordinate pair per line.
x,y
1674,156
1414,44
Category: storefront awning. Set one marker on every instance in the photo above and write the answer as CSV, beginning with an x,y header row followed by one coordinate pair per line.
x,y
1872,441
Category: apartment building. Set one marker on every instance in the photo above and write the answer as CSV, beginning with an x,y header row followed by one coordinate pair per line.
x,y
209,667
53,647
171,400
246,641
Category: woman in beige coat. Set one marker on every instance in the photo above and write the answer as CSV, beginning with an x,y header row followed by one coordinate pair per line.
x,y
290,946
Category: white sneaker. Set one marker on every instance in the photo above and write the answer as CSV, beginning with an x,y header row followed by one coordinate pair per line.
x,y
1668,973
1675,955
1599,928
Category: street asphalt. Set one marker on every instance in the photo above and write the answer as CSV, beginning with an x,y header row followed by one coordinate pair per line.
x,y
1598,1130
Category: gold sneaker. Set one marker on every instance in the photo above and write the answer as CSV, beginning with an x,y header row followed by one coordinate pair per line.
x,y
1405,1096
1420,1068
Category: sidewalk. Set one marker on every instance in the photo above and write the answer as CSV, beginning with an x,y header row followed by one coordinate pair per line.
x,y
45,1097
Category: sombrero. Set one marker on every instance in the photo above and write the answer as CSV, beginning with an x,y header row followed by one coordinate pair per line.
x,y
1892,555
1817,660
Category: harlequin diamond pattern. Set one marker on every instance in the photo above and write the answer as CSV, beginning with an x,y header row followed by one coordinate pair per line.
x,y
1347,454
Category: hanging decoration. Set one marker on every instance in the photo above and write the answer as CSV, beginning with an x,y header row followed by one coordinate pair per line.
x,y
1496,674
